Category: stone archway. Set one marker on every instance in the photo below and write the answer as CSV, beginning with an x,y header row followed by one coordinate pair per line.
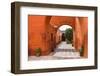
x,y
79,33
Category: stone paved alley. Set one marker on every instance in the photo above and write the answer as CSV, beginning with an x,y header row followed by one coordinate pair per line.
x,y
62,51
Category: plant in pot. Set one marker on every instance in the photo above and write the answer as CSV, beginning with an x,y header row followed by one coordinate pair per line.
x,y
81,51
37,52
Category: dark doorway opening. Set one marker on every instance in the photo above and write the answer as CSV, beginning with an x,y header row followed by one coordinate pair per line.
x,y
63,37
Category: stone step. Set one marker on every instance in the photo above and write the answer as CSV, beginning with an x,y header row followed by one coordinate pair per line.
x,y
67,54
58,50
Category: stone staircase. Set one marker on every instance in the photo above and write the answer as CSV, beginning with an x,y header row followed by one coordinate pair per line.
x,y
66,51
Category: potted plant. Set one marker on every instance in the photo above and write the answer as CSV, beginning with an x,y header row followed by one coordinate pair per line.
x,y
38,52
81,51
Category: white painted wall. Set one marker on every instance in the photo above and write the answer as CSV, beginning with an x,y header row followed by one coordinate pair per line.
x,y
5,42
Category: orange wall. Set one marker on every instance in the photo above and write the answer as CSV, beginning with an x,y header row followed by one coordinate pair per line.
x,y
58,37
84,29
36,33
62,20
78,34
39,34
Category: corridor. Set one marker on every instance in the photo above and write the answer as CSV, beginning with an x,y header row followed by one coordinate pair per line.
x,y
62,51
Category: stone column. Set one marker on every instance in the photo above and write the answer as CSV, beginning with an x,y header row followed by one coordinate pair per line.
x,y
84,28
73,44
78,35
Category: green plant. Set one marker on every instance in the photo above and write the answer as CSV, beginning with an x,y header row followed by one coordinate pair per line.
x,y
69,35
38,52
68,42
81,51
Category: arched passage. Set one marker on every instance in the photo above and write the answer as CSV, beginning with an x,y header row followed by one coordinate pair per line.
x,y
61,34
79,25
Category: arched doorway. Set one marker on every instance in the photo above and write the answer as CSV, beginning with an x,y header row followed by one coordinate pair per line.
x,y
64,33
64,38
67,33
61,37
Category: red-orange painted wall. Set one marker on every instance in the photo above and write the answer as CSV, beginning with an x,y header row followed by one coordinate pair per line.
x,y
84,29
62,20
36,34
58,37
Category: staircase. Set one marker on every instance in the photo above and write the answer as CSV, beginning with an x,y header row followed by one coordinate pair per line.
x,y
66,51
